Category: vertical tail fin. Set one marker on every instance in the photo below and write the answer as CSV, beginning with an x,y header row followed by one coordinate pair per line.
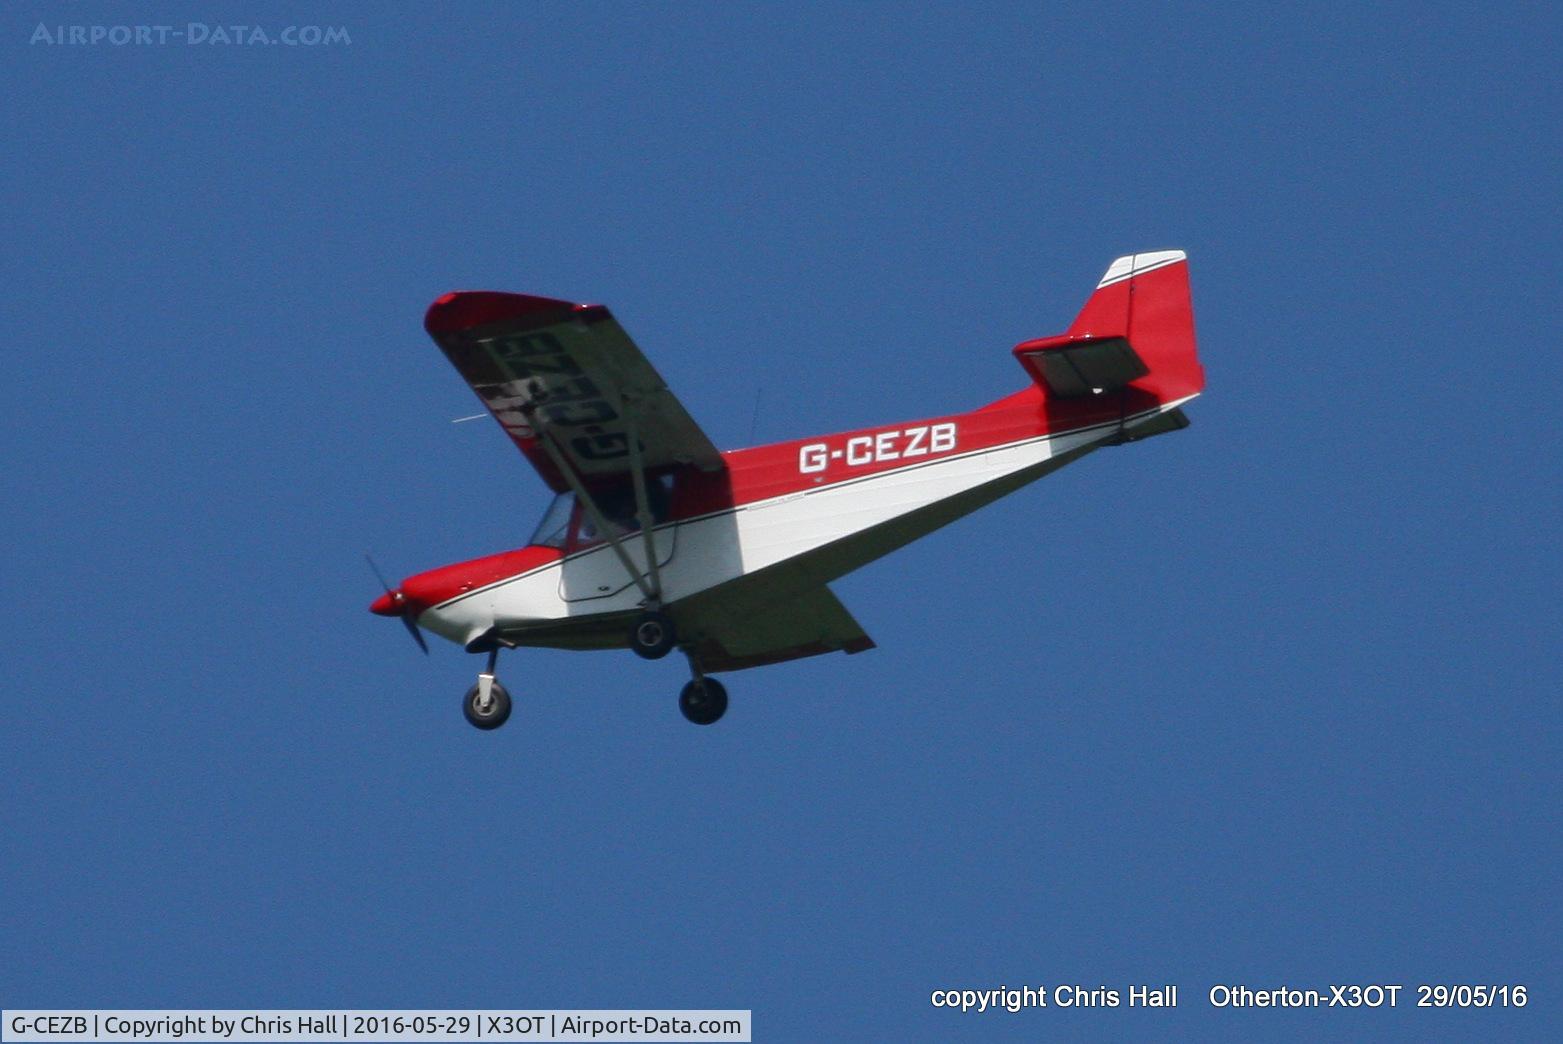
x,y
1136,332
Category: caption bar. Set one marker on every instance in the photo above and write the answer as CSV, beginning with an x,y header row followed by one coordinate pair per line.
x,y
300,1025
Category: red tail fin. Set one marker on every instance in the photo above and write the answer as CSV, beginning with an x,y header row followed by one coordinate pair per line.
x,y
1136,331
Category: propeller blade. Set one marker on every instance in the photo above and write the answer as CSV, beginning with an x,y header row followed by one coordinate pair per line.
x,y
417,635
377,574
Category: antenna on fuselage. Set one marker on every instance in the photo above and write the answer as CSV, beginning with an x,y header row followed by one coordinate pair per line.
x,y
754,421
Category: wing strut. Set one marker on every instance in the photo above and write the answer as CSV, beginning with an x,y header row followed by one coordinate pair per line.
x,y
653,590
643,508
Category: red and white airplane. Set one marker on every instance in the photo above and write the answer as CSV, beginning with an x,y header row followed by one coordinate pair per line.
x,y
657,540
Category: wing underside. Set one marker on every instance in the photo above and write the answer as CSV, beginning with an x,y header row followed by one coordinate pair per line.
x,y
565,380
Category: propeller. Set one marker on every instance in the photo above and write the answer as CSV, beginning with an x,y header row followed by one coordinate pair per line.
x,y
399,600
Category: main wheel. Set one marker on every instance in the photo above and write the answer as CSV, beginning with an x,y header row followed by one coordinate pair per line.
x,y
703,701
653,636
498,711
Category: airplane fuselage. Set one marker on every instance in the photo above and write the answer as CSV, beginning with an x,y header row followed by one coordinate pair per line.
x,y
826,504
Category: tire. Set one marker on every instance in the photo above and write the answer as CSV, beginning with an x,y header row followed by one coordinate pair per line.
x,y
703,702
653,636
497,714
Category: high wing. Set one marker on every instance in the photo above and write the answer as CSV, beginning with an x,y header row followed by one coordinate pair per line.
x,y
568,373
807,625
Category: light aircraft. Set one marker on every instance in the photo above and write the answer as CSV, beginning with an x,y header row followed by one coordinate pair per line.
x,y
657,540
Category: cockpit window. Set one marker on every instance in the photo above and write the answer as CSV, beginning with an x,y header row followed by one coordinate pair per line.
x,y
567,526
554,529
617,505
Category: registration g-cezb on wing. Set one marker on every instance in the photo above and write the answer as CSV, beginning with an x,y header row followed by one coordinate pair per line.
x,y
656,540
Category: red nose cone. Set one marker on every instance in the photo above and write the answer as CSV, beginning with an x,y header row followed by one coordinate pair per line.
x,y
387,604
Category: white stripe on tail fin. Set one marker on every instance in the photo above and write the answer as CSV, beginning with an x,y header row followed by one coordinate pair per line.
x,y
1134,264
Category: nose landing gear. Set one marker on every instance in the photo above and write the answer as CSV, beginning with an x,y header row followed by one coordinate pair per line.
x,y
487,703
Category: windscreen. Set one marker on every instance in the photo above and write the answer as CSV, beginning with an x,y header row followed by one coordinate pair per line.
x,y
554,528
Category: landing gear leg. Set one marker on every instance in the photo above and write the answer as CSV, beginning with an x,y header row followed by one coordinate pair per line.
x,y
653,635
487,704
704,700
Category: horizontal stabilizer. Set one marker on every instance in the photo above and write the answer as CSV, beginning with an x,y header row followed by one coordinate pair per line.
x,y
1161,424
1074,367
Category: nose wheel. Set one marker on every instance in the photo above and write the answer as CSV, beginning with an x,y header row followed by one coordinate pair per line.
x,y
487,703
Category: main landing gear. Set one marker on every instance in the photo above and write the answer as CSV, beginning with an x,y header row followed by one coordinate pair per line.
x,y
487,704
653,635
704,700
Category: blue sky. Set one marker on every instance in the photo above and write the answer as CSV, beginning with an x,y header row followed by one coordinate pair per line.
x,y
1274,701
